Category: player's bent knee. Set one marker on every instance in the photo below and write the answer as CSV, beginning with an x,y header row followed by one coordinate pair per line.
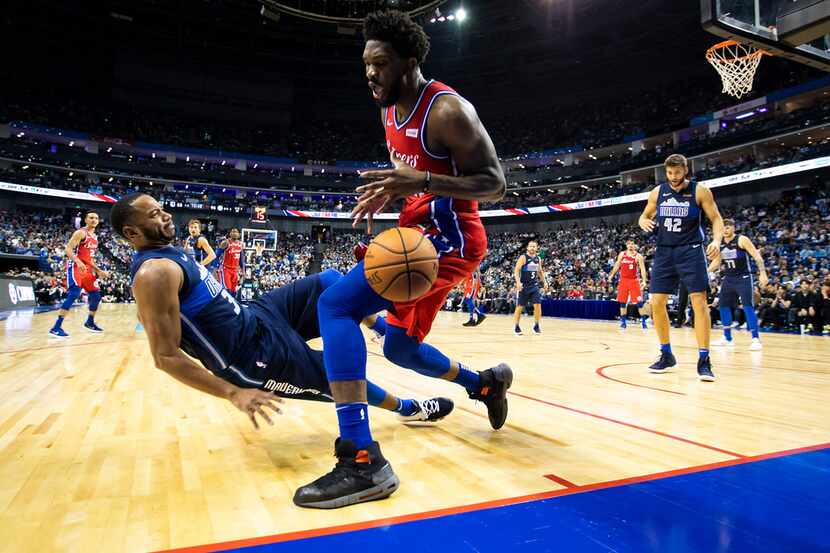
x,y
329,277
94,300
399,348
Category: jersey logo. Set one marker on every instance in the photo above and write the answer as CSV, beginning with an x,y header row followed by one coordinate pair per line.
x,y
696,246
412,133
673,208
666,194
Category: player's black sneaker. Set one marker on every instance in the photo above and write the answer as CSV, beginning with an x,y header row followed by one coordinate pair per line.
x,y
517,330
493,393
429,410
471,322
480,319
664,363
704,369
359,476
92,327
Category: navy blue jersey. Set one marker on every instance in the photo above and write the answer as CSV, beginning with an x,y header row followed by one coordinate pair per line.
x,y
734,259
530,272
191,248
678,216
216,330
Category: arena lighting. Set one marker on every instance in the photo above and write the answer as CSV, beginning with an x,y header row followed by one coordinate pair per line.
x,y
154,155
109,149
20,134
461,14
71,143
71,173
187,159
745,115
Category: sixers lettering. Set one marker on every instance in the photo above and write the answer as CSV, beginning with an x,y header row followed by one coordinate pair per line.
x,y
444,164
81,275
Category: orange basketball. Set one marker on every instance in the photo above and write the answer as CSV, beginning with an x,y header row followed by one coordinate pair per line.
x,y
401,264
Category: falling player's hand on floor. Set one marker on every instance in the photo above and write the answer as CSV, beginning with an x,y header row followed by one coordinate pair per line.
x,y
252,402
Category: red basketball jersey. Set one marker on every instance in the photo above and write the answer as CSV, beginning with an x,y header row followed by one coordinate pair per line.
x,y
628,266
453,225
87,247
230,259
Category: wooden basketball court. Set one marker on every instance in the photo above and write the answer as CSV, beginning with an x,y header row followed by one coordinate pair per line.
x,y
99,451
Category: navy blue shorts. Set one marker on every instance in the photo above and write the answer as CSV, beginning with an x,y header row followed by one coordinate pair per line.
x,y
528,297
675,263
280,360
734,287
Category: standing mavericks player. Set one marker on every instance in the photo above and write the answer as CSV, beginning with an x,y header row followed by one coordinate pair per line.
x,y
196,245
733,260
529,274
81,275
444,163
678,205
628,290
231,264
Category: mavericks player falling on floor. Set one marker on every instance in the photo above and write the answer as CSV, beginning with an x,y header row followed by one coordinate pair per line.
x,y
529,274
251,352
629,290
733,261
678,205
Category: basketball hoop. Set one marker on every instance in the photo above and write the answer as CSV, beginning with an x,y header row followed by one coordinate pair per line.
x,y
736,64
259,248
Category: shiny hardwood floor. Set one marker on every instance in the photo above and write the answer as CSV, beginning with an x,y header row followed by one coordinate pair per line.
x,y
101,451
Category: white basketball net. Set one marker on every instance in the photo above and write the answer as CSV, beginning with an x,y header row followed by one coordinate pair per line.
x,y
736,64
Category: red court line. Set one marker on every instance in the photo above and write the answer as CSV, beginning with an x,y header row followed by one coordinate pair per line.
x,y
560,480
630,425
55,346
315,532
600,372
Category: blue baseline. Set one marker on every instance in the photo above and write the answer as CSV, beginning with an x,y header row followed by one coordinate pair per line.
x,y
775,505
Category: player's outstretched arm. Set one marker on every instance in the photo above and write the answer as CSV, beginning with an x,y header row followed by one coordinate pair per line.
x,y
706,201
156,290
750,248
616,267
210,255
641,261
459,133
646,220
517,271
74,240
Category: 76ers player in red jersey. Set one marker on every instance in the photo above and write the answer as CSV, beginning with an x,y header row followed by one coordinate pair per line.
x,y
230,267
629,290
444,163
81,274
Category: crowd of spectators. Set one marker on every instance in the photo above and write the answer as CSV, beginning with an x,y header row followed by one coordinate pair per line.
x,y
793,235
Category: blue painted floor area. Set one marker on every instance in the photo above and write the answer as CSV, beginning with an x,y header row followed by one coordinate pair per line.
x,y
775,505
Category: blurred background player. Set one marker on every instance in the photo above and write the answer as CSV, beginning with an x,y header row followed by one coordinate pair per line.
x,y
445,163
678,204
733,261
81,274
629,289
529,274
231,263
196,245
472,289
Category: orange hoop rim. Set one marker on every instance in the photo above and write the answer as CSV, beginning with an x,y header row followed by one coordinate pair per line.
x,y
727,43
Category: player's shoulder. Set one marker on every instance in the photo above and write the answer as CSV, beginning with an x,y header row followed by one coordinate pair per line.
x,y
156,271
452,109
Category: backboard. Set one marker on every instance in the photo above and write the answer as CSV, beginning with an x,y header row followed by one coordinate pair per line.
x,y
793,29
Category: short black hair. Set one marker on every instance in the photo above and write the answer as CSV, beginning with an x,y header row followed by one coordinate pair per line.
x,y
407,38
122,212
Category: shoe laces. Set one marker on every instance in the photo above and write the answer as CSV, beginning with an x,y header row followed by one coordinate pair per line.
x,y
429,407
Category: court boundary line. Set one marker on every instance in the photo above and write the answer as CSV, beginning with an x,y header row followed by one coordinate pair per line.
x,y
600,372
460,509
629,425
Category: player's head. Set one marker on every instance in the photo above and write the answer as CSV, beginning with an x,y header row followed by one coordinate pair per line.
x,y
532,247
140,219
395,48
631,246
194,227
677,167
728,228
91,220
234,234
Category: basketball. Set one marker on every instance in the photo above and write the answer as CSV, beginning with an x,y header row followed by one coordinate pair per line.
x,y
401,264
